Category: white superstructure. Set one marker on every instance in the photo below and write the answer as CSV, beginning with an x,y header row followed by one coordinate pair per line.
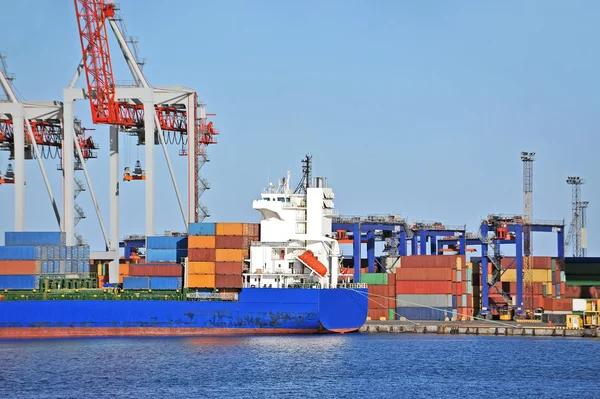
x,y
294,222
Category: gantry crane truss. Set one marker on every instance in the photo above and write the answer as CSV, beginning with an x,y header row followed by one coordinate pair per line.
x,y
174,109
33,130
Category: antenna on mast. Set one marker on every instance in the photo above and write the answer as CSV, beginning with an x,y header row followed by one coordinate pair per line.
x,y
305,181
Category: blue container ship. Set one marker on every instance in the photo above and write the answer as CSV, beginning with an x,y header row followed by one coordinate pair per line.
x,y
289,284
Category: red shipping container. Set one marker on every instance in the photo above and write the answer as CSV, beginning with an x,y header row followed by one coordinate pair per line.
x,y
156,270
391,303
424,287
538,301
231,268
431,261
459,288
19,267
420,274
229,242
201,254
228,281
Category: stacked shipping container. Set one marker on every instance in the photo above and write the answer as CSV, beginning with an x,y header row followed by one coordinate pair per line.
x,y
548,283
164,270
217,252
382,295
29,256
433,287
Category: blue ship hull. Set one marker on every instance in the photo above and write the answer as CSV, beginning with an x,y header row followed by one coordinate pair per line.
x,y
258,311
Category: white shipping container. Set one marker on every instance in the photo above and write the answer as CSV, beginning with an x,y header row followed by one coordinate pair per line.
x,y
432,300
579,305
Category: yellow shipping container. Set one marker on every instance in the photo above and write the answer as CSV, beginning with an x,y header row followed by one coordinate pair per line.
x,y
458,263
229,255
549,289
198,242
539,276
230,229
574,321
201,268
201,281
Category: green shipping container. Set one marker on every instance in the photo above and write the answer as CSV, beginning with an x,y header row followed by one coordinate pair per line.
x,y
391,314
582,283
374,278
544,290
553,264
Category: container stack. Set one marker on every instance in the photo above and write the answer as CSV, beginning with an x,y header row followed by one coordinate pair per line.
x,y
27,256
382,295
217,252
169,249
428,287
548,283
163,270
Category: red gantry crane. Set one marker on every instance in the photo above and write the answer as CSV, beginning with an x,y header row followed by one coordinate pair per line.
x,y
141,109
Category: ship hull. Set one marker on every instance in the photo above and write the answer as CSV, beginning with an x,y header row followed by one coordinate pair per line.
x,y
258,311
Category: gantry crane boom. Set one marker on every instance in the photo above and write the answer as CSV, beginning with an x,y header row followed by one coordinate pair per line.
x,y
91,21
91,17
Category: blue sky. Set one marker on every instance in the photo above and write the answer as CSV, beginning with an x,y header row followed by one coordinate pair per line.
x,y
416,108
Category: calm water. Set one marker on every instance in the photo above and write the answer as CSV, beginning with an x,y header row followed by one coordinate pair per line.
x,y
341,366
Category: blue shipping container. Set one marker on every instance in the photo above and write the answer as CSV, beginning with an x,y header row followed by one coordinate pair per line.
x,y
84,252
17,253
68,266
136,283
166,242
85,266
26,238
424,313
202,229
165,283
165,255
50,252
44,267
38,253
19,282
454,301
62,252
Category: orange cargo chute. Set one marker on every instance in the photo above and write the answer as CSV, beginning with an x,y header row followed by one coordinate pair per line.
x,y
309,260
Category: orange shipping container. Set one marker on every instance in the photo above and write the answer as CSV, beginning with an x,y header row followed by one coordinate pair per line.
x,y
420,274
424,287
124,269
230,229
16,267
201,281
201,242
201,267
229,255
231,268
